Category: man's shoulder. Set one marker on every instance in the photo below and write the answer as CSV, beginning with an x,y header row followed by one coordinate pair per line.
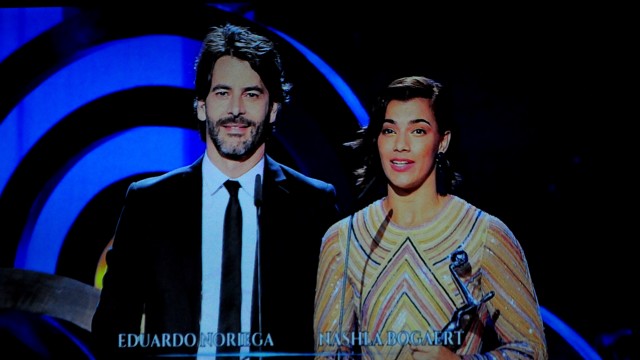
x,y
312,201
171,178
296,178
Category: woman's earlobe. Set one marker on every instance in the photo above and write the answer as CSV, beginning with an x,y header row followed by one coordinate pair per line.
x,y
444,144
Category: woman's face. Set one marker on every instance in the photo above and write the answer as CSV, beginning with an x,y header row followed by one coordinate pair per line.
x,y
408,144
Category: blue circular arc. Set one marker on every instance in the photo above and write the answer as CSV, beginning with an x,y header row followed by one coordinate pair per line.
x,y
134,151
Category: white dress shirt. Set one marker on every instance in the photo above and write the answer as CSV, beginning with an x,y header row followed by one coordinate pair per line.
x,y
214,202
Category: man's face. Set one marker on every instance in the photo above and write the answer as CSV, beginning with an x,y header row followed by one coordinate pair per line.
x,y
237,109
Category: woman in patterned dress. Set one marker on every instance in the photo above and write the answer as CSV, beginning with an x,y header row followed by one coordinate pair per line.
x,y
419,273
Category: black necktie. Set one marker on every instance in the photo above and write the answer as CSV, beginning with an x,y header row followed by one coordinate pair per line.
x,y
230,292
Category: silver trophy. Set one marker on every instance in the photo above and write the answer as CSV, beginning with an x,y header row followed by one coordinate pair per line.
x,y
463,316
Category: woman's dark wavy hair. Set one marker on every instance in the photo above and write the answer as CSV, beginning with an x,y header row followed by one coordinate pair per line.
x,y
370,178
244,44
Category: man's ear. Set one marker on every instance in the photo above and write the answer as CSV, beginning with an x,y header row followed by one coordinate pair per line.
x,y
274,111
201,110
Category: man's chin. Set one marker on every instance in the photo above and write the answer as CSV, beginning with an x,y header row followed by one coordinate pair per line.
x,y
236,157
237,154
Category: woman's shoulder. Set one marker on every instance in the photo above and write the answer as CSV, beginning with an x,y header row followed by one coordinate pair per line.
x,y
342,225
484,220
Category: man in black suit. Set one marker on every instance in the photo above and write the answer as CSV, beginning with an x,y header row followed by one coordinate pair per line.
x,y
162,290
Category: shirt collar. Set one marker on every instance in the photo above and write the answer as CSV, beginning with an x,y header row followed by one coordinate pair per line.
x,y
213,179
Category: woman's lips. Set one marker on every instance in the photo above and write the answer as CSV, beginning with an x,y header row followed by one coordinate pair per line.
x,y
401,165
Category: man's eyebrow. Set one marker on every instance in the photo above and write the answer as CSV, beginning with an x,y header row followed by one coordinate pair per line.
x,y
221,86
257,88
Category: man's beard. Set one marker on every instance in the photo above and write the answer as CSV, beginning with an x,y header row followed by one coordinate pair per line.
x,y
230,149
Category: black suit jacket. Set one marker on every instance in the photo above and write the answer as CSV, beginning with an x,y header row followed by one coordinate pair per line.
x,y
155,266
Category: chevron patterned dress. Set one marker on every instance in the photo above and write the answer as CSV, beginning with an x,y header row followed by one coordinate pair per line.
x,y
382,287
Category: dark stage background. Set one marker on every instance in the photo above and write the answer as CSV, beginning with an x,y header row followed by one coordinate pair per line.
x,y
543,141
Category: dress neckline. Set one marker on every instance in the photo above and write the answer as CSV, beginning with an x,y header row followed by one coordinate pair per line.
x,y
446,207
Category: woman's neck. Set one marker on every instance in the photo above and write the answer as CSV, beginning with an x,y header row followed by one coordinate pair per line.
x,y
416,208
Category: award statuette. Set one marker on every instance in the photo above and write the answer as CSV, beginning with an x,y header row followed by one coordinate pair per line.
x,y
461,318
